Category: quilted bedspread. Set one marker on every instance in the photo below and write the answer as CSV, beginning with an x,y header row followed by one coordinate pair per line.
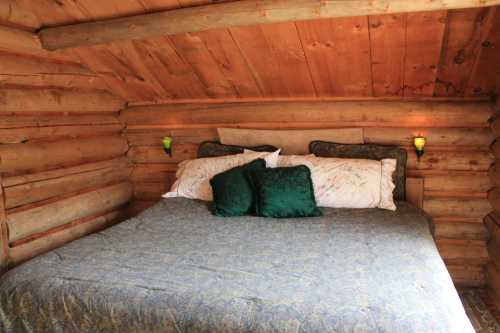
x,y
178,268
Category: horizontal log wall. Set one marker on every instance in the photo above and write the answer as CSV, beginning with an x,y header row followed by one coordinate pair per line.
x,y
492,221
454,167
63,166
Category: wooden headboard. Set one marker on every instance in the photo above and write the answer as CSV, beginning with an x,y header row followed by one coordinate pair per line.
x,y
415,191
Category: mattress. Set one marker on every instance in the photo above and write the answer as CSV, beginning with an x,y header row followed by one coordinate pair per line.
x,y
178,268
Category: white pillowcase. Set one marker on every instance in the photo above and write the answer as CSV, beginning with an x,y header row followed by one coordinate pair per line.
x,y
193,176
348,183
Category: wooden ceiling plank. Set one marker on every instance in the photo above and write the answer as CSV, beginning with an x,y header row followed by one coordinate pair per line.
x,y
286,46
424,36
174,74
194,51
261,60
119,78
387,42
462,42
14,14
338,52
128,54
231,14
226,53
486,70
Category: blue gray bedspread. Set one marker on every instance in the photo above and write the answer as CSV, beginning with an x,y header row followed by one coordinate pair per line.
x,y
177,268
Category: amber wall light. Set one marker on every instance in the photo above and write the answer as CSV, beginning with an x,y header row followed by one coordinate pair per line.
x,y
419,142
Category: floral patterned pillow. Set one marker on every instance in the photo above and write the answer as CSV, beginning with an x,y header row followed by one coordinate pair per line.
x,y
348,183
193,176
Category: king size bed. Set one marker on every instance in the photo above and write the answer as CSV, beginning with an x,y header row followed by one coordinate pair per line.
x,y
178,268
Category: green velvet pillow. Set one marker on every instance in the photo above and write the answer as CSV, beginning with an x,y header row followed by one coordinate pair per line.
x,y
284,192
233,193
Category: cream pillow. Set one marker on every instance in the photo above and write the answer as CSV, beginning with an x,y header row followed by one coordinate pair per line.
x,y
348,183
193,176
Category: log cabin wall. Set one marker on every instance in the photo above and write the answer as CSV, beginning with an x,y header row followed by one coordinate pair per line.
x,y
444,53
492,221
454,167
63,169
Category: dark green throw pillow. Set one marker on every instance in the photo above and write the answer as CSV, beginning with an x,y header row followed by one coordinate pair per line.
x,y
233,193
284,192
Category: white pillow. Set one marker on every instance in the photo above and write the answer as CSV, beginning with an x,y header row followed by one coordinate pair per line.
x,y
193,176
348,183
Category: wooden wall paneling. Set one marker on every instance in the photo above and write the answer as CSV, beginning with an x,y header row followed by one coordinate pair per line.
x,y
4,235
120,162
338,54
415,191
44,120
56,239
180,136
424,35
51,100
467,252
21,158
26,222
452,160
37,191
464,33
486,71
227,55
16,39
156,154
493,277
465,136
53,133
30,71
307,114
388,48
468,207
467,275
457,230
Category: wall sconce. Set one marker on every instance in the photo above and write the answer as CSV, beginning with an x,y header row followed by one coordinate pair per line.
x,y
419,142
167,145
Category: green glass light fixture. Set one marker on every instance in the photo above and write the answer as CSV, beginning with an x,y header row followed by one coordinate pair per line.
x,y
167,145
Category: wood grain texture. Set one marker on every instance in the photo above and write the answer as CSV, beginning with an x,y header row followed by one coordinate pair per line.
x,y
42,190
424,35
58,238
311,114
15,39
51,100
466,29
14,14
230,14
4,234
20,158
38,219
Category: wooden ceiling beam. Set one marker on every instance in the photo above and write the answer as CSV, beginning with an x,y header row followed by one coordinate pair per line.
x,y
230,14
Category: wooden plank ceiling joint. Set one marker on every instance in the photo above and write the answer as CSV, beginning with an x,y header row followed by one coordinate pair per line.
x,y
232,14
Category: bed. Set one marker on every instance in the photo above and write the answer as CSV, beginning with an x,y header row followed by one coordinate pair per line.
x,y
178,268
